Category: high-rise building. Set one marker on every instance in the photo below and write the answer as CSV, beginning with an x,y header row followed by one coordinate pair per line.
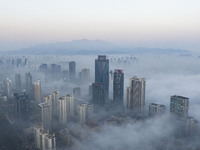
x,y
19,62
118,86
46,117
102,73
89,112
82,113
17,82
71,105
55,98
179,106
43,68
85,74
192,126
37,90
55,71
72,70
85,111
156,109
98,93
37,139
29,84
55,68
77,92
50,142
21,106
43,139
48,100
62,110
7,87
136,94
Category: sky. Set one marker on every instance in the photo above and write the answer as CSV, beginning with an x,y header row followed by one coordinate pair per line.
x,y
140,23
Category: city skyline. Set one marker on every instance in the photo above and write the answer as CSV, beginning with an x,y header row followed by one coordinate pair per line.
x,y
99,75
66,113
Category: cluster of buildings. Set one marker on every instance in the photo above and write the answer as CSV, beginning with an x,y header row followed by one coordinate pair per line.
x,y
123,60
53,111
55,71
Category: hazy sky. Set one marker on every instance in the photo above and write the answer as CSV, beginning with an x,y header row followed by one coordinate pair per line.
x,y
145,23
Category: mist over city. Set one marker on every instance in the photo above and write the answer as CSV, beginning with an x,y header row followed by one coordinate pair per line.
x,y
99,75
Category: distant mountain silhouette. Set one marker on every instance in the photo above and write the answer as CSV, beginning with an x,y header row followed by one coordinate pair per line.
x,y
87,47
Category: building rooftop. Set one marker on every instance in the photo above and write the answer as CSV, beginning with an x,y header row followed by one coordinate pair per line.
x,y
43,105
160,105
102,58
62,98
181,97
118,71
139,79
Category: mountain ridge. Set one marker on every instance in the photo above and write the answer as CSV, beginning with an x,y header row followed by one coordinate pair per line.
x,y
86,46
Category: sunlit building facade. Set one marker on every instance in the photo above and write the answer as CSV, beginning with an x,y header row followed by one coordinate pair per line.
x,y
37,90
136,94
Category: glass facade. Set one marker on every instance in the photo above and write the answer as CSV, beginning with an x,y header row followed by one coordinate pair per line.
x,y
102,73
118,86
179,106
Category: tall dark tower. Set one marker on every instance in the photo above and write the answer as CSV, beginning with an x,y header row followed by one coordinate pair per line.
x,y
21,106
102,73
98,95
17,82
72,70
118,86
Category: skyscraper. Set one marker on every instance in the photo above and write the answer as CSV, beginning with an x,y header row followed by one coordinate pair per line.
x,y
102,73
98,93
37,90
45,114
85,73
84,111
53,68
19,62
72,70
43,139
71,105
29,84
136,94
55,98
156,109
43,68
21,106
7,86
179,106
48,100
192,126
55,71
17,82
62,110
118,86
